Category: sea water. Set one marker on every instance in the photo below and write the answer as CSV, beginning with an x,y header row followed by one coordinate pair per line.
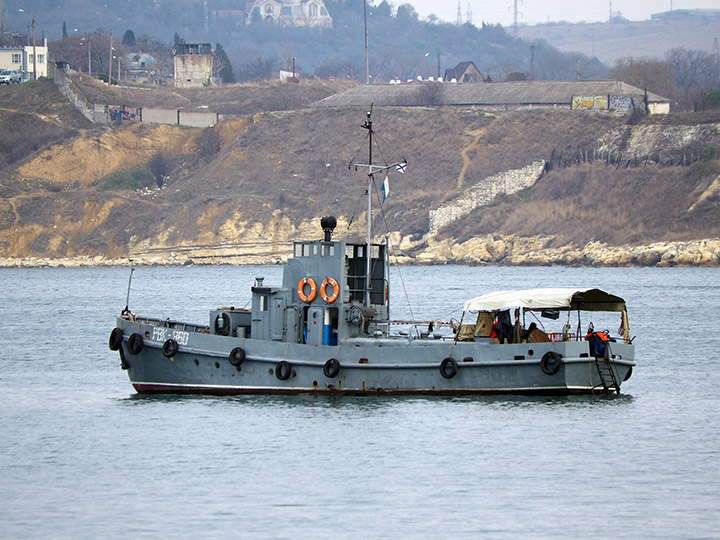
x,y
83,456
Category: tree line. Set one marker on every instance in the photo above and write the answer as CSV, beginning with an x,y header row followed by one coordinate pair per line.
x,y
690,78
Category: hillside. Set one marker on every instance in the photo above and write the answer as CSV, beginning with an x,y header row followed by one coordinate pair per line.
x,y
611,41
241,191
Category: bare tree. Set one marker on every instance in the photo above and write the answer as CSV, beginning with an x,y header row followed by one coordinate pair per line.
x,y
259,68
430,94
695,72
502,70
646,73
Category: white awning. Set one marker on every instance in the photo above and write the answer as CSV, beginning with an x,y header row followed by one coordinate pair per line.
x,y
538,299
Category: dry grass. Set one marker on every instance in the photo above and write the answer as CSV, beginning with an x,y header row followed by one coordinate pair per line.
x,y
24,134
599,203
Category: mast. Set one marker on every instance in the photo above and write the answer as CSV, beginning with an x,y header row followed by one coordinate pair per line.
x,y
368,283
372,169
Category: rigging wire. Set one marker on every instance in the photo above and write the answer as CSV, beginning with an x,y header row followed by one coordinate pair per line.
x,y
384,141
352,161
392,248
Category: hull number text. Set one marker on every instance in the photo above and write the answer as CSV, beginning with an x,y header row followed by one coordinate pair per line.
x,y
163,334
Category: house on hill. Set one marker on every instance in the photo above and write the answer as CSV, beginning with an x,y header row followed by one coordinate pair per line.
x,y
140,67
464,72
290,13
21,57
605,95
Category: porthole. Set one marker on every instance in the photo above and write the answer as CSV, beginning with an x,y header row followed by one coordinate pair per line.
x,y
196,362
217,365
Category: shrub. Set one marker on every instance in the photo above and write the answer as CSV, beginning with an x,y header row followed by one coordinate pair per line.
x,y
712,98
128,179
209,141
710,153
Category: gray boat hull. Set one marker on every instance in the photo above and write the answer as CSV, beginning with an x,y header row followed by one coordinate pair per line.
x,y
367,366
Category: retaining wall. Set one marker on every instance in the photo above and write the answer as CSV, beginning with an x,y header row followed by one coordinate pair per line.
x,y
73,93
484,192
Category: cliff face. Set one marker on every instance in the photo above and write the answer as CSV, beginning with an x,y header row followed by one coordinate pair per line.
x,y
241,192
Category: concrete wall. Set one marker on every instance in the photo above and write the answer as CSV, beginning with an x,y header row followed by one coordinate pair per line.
x,y
160,116
484,192
106,114
197,119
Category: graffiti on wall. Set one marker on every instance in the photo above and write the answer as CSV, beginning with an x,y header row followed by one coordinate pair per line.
x,y
621,102
119,114
589,102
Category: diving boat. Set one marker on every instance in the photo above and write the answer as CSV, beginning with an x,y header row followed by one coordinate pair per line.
x,y
326,329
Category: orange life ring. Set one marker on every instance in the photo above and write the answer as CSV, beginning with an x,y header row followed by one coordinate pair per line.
x,y
336,290
313,289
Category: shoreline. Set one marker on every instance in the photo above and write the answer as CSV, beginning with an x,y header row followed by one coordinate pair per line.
x,y
488,251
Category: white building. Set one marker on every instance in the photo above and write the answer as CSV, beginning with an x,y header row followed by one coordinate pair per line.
x,y
290,12
21,58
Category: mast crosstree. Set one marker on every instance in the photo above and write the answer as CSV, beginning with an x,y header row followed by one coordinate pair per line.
x,y
372,170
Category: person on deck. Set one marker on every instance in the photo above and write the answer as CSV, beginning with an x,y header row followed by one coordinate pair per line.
x,y
535,335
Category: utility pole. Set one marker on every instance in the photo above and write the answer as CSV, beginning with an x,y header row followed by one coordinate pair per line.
x,y
532,62
34,52
89,60
459,15
110,62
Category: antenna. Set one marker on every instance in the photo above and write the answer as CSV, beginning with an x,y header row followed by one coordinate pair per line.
x,y
459,15
468,14
610,19
367,58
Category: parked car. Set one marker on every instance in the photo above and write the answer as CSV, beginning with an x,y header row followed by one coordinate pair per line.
x,y
9,76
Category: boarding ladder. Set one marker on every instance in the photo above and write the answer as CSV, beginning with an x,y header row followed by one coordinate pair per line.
x,y
608,378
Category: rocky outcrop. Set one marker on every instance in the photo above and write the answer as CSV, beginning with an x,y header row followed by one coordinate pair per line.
x,y
657,143
537,251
